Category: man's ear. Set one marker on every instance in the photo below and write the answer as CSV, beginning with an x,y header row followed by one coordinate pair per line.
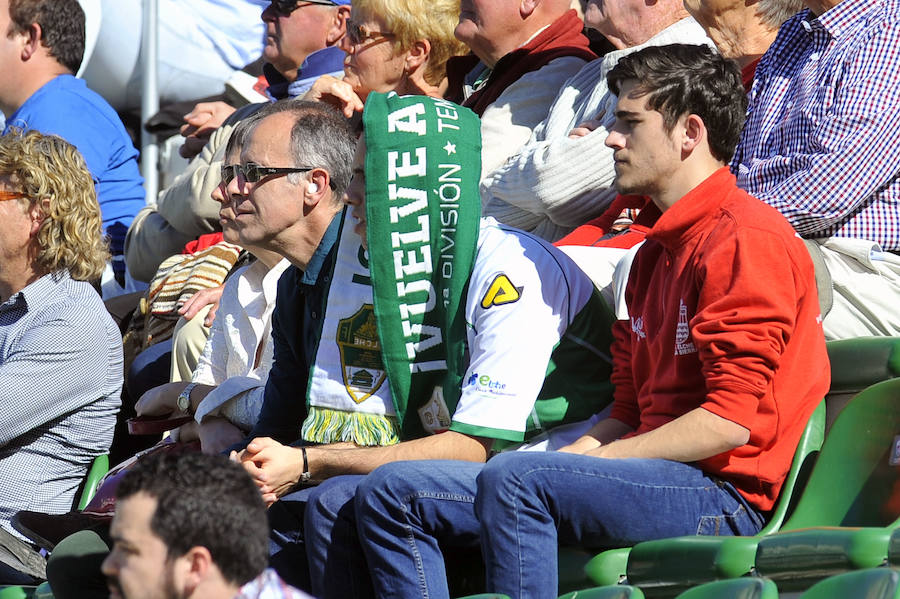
x,y
527,7
34,34
317,188
694,133
338,27
192,568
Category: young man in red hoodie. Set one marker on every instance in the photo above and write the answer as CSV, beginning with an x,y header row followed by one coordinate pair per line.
x,y
718,369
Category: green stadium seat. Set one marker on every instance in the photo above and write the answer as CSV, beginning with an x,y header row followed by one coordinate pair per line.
x,y
852,485
680,563
622,591
877,583
95,475
736,588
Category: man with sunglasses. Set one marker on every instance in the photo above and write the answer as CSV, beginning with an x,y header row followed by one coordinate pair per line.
x,y
302,40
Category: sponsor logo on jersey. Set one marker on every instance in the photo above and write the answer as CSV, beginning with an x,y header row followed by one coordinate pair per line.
x,y
485,383
501,292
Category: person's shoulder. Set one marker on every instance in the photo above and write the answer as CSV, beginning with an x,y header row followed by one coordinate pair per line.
x,y
506,249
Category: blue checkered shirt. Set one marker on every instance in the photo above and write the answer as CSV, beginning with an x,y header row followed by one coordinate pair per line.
x,y
60,380
822,138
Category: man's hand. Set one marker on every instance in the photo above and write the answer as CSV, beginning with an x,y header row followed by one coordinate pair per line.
x,y
336,92
216,434
159,401
584,128
275,468
199,125
205,297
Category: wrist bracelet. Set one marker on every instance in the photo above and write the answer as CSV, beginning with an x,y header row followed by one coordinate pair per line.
x,y
304,476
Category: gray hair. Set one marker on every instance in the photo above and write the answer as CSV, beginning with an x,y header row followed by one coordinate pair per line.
x,y
320,137
776,12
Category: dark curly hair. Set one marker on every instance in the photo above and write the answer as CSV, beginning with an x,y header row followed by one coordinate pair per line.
x,y
207,501
682,79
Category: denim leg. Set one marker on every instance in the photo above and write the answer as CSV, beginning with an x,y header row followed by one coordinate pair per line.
x,y
530,503
287,548
337,567
404,510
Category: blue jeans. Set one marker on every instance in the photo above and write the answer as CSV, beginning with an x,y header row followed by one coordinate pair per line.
x,y
406,513
532,502
313,543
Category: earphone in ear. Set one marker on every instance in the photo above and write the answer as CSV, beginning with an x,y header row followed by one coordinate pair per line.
x,y
313,188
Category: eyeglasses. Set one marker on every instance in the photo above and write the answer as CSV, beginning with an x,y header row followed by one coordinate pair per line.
x,y
357,34
254,173
11,195
286,7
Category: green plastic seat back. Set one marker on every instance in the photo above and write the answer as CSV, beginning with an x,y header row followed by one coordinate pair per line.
x,y
875,583
616,591
736,588
862,361
852,481
92,481
15,592
801,467
486,596
673,559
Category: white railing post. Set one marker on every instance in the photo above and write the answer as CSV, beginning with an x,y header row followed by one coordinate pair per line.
x,y
149,97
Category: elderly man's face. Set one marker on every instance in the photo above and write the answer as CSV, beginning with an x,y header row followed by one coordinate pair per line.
x,y
138,567
487,25
291,38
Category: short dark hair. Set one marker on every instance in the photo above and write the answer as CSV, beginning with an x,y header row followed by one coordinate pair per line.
x,y
62,27
685,79
208,501
321,137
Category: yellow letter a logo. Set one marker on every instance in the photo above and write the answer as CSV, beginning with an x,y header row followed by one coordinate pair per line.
x,y
501,291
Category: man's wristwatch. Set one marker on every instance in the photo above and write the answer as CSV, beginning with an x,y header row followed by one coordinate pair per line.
x,y
184,398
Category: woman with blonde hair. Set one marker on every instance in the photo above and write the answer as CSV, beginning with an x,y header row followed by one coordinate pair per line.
x,y
393,45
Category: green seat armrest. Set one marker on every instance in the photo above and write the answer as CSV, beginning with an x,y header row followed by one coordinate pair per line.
x,y
738,588
616,591
877,583
608,567
800,556
683,562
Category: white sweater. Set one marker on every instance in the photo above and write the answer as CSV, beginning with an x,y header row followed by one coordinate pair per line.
x,y
555,183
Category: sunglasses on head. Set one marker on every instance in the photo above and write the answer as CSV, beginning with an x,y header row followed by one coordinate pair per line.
x,y
254,173
286,7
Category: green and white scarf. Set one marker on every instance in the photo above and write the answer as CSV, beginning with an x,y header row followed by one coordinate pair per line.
x,y
423,166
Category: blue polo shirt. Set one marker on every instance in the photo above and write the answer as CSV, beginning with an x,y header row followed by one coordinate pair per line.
x,y
65,106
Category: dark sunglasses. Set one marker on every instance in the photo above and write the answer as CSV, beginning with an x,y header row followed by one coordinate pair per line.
x,y
286,7
358,34
254,173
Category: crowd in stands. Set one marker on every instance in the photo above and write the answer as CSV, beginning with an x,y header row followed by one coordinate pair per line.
x,y
424,299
